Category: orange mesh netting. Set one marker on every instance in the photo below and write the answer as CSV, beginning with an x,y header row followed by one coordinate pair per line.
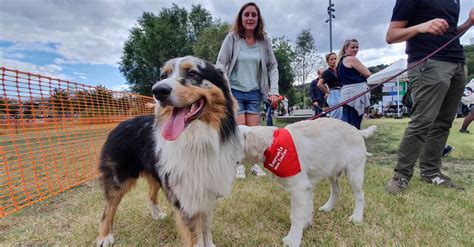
x,y
51,134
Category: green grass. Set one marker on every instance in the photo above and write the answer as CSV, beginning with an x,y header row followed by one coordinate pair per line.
x,y
257,211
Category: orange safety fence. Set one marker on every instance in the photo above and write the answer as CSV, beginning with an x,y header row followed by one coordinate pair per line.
x,y
51,134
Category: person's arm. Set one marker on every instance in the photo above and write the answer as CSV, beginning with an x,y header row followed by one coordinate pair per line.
x,y
468,23
353,62
399,32
225,53
272,68
323,86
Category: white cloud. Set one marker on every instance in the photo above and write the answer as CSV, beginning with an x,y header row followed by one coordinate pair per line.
x,y
93,32
51,70
121,88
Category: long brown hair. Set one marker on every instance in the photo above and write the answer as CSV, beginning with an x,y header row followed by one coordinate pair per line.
x,y
239,29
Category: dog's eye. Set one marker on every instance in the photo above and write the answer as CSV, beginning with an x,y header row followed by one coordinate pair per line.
x,y
193,75
163,76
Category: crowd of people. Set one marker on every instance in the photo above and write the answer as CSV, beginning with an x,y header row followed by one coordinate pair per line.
x,y
436,85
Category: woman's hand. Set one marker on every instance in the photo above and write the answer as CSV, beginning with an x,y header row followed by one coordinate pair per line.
x,y
274,101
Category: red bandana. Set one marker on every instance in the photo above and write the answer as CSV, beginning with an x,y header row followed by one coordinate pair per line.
x,y
281,157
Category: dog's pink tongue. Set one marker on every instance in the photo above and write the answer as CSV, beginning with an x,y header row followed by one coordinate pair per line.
x,y
174,125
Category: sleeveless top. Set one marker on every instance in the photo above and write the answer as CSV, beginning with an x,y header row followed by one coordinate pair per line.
x,y
348,75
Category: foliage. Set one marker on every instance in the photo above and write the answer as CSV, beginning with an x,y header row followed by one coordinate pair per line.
x,y
377,68
209,41
3,105
60,100
157,39
306,60
284,55
199,20
469,52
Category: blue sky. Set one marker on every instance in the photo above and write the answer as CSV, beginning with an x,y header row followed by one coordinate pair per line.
x,y
82,40
85,73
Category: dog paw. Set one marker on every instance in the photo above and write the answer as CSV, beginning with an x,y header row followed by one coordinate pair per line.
x,y
326,208
291,242
156,212
355,219
106,241
158,215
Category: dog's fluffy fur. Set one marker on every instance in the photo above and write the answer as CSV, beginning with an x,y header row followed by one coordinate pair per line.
x,y
326,149
189,149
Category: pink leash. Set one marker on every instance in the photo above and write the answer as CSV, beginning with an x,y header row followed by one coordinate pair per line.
x,y
413,65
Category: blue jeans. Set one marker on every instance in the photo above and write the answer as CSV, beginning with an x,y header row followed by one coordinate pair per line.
x,y
249,102
269,112
333,99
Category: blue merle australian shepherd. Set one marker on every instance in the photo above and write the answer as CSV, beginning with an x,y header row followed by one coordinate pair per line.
x,y
189,148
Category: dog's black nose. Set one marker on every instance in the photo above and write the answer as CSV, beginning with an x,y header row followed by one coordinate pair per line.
x,y
161,92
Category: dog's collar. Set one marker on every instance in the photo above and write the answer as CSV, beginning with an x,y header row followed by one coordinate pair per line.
x,y
281,157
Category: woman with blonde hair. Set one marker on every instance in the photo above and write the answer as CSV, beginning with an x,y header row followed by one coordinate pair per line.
x,y
247,55
353,76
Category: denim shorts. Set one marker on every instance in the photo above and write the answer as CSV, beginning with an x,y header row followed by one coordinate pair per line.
x,y
249,102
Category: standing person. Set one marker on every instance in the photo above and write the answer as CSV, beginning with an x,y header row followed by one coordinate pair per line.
x,y
316,94
468,99
286,106
436,85
330,80
353,76
269,112
247,55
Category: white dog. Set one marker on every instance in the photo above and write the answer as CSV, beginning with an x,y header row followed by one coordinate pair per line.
x,y
326,148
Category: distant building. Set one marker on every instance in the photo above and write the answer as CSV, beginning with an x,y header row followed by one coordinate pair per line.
x,y
471,41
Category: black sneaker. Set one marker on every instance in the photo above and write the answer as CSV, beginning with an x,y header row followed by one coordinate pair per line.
x,y
441,180
464,131
447,150
397,185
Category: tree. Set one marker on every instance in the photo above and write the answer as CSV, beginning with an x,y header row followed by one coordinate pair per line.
x,y
156,39
307,61
61,101
199,19
210,40
3,105
469,52
285,56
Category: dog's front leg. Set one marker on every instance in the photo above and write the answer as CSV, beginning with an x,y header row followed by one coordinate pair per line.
x,y
299,199
206,230
190,228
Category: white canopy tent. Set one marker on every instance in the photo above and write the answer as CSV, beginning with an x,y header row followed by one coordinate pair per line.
x,y
391,70
388,72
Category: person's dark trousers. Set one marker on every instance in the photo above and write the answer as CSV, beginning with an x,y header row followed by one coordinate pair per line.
x,y
351,116
437,87
269,114
317,110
